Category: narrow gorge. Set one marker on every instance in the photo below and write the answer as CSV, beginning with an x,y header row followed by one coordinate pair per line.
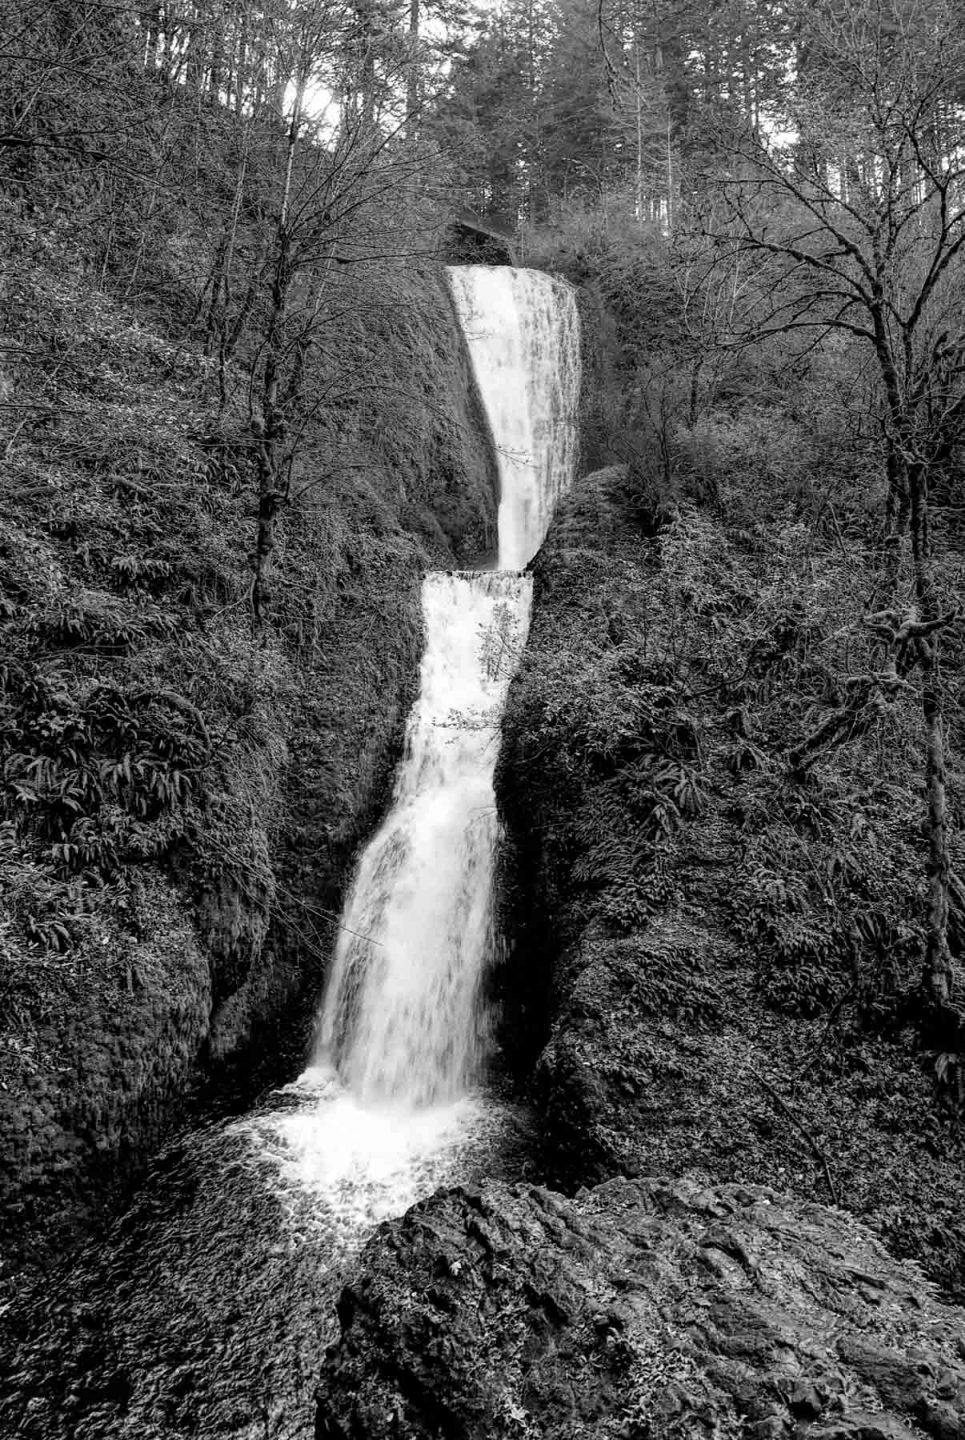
x,y
482,627
229,1261
363,1254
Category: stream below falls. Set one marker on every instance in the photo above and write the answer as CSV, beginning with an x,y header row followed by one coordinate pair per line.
x,y
207,1309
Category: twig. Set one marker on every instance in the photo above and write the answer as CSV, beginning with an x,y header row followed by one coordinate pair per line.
x,y
799,1125
828,1018
837,531
609,67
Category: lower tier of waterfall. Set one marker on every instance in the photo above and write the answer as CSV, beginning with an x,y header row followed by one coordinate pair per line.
x,y
390,1107
403,1021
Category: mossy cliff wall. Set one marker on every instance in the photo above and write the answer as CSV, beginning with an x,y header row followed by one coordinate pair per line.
x,y
715,952
182,804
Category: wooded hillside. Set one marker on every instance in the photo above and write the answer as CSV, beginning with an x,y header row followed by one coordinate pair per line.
x,y
236,432
732,771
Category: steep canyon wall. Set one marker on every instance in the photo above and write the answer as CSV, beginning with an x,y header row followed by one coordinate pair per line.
x,y
182,958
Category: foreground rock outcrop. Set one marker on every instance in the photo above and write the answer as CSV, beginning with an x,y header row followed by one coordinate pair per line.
x,y
642,1308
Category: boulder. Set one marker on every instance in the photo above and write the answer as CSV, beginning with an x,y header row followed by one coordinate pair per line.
x,y
642,1309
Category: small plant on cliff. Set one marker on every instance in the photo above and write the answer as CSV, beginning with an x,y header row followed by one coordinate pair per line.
x,y
94,779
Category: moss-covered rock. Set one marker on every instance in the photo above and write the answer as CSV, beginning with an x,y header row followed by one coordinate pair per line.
x,y
638,1309
77,1099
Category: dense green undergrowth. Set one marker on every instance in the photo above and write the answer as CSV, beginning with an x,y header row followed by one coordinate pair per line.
x,y
180,803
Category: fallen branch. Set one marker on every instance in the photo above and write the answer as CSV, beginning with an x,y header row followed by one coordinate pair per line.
x,y
869,693
828,1018
830,726
799,1125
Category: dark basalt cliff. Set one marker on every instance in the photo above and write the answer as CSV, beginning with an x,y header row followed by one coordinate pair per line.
x,y
640,1309
715,961
186,802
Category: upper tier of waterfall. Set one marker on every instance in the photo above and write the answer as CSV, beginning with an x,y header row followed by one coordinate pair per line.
x,y
522,330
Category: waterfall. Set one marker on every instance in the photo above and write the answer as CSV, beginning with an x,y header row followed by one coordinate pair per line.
x,y
402,1016
522,330
391,1107
403,1020
210,1307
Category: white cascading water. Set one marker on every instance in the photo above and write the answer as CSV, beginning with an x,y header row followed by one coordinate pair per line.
x,y
522,330
402,1033
403,1018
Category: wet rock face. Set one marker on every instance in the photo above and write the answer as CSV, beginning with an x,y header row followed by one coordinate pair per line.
x,y
643,1309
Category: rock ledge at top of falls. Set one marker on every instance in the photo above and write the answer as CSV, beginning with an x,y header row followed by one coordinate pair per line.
x,y
643,1309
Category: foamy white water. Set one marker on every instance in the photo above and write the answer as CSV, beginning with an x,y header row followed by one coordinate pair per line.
x,y
361,1163
403,1020
391,1106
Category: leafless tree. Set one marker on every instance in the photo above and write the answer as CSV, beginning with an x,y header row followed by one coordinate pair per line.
x,y
854,218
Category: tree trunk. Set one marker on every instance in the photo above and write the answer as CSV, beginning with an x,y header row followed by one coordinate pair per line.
x,y
269,505
270,433
639,120
240,63
153,48
412,79
937,976
938,970
270,429
221,270
217,51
